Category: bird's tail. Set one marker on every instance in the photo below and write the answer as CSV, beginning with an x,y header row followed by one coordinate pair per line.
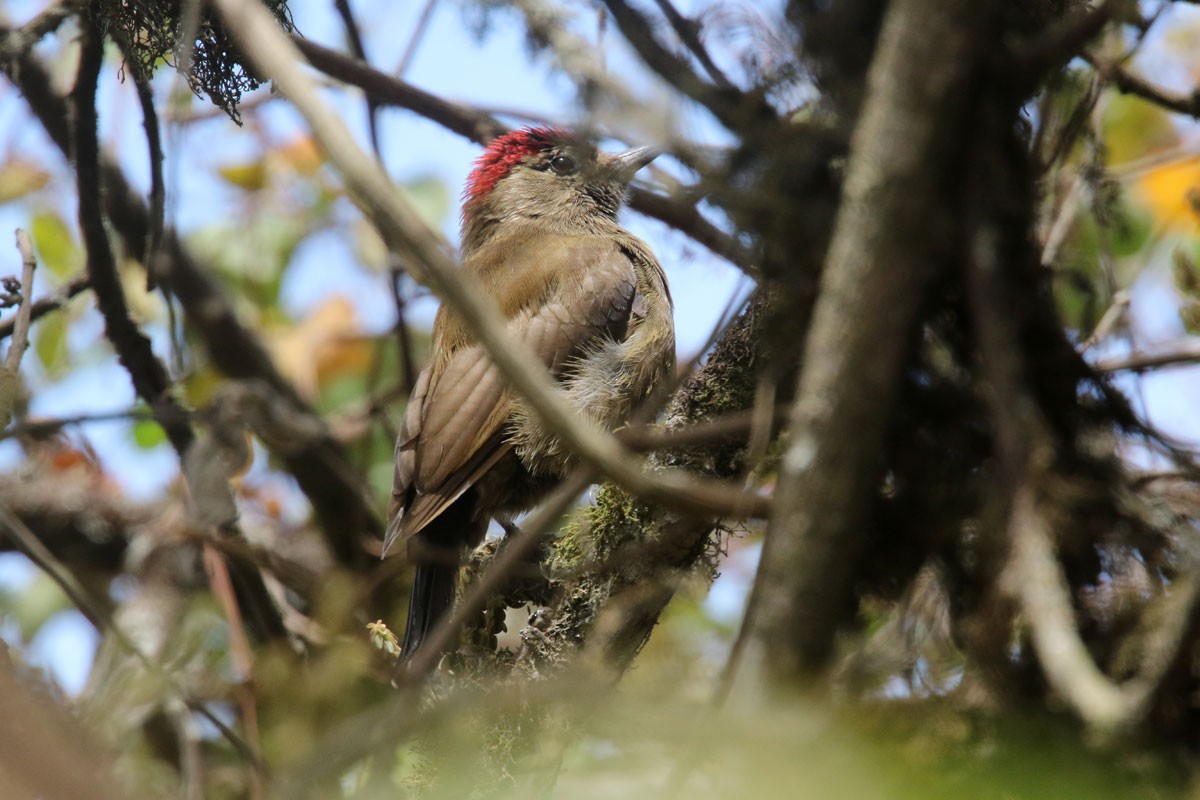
x,y
432,598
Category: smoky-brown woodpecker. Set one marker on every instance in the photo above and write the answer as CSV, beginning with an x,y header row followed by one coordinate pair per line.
x,y
540,237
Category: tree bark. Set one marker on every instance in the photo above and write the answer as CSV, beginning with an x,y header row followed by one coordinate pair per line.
x,y
894,225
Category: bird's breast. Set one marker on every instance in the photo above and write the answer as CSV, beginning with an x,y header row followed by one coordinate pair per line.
x,y
605,384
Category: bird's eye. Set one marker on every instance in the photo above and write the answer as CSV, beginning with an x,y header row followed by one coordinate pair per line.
x,y
563,165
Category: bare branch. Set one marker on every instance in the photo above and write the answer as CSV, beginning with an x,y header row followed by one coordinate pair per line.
x,y
688,31
15,44
1036,580
890,226
1179,354
9,380
1128,83
44,306
133,348
737,110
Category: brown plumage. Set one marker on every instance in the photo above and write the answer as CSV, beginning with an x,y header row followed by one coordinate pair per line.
x,y
540,237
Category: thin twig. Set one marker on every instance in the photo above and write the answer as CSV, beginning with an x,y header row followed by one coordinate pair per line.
x,y
41,428
44,306
735,109
1113,316
157,189
414,41
408,367
24,316
356,47
1180,354
1128,83
688,31
9,372
240,655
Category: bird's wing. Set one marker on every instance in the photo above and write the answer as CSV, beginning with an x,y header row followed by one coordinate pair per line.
x,y
453,428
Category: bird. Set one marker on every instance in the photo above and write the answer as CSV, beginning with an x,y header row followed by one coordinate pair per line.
x,y
540,236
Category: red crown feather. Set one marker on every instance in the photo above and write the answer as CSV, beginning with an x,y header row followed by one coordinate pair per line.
x,y
505,152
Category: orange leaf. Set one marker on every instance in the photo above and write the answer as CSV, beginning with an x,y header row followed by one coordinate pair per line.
x,y
19,177
1171,192
327,343
301,154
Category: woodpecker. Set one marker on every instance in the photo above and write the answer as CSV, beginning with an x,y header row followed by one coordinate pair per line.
x,y
540,236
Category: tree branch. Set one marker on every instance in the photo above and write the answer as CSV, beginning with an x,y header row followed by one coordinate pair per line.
x,y
892,227
1128,83
737,110
9,372
133,348
41,308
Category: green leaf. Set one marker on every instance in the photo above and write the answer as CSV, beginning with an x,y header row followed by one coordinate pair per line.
x,y
148,434
256,253
1134,127
1130,230
430,198
39,602
50,343
56,244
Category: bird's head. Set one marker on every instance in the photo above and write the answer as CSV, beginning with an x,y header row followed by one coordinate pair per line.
x,y
549,178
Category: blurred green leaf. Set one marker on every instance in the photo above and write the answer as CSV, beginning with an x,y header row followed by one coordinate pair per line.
x,y
340,391
369,247
1134,127
50,343
430,198
56,245
254,254
40,601
148,434
1130,231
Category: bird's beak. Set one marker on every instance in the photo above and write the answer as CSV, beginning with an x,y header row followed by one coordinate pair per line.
x,y
626,164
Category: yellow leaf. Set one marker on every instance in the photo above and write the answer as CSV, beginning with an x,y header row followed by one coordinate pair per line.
x,y
250,176
19,177
55,244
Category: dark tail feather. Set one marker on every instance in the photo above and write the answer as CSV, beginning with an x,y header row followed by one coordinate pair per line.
x,y
432,598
